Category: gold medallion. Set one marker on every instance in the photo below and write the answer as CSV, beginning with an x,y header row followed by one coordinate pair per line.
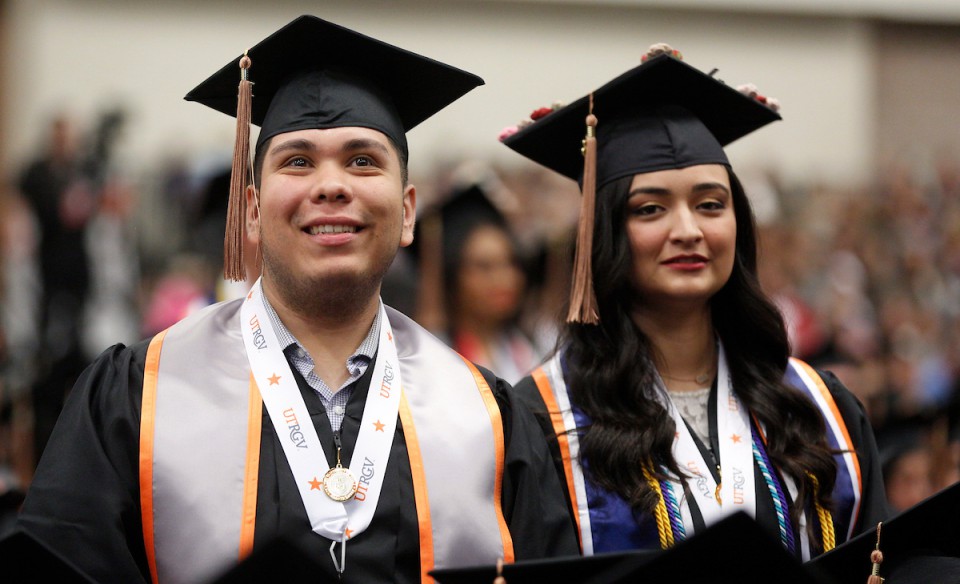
x,y
339,484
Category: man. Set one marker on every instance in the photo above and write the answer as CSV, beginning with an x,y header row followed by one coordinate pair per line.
x,y
397,454
63,202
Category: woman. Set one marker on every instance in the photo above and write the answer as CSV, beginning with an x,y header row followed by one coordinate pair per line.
x,y
477,297
672,400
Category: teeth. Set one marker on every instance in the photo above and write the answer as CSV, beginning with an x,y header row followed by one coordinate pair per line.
x,y
316,229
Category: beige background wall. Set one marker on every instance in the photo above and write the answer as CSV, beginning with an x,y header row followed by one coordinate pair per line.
x,y
84,55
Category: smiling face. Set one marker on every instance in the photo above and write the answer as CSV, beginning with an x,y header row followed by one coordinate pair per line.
x,y
332,213
682,233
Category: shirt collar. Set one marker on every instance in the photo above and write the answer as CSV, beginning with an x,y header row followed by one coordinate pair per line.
x,y
365,351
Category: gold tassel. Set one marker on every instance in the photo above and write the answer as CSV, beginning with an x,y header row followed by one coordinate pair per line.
x,y
876,557
234,235
583,300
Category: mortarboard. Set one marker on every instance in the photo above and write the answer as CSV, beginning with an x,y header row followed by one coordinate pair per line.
x,y
733,550
659,115
313,74
24,558
467,208
921,544
662,114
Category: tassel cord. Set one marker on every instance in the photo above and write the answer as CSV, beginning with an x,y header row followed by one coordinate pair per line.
x,y
234,236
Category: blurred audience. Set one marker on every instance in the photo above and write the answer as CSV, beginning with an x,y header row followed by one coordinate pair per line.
x,y
868,280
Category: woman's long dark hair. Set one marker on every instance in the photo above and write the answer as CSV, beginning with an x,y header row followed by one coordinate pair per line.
x,y
612,373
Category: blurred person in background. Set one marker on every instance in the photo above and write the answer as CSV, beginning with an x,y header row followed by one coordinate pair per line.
x,y
84,257
62,201
908,460
474,281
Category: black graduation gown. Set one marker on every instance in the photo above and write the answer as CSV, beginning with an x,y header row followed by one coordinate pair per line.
x,y
84,499
873,506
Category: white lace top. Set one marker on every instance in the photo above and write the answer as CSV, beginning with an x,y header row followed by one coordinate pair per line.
x,y
693,407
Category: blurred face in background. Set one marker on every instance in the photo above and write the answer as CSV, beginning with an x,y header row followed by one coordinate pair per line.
x,y
490,283
908,479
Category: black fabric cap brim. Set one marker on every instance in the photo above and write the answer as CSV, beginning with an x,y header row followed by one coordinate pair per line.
x,y
733,550
927,535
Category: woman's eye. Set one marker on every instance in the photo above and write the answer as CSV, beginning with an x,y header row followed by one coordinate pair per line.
x,y
713,205
644,210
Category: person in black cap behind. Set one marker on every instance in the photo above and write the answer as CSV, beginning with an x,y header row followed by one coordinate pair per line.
x,y
478,292
307,409
673,401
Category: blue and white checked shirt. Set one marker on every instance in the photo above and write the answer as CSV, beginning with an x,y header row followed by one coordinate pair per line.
x,y
334,402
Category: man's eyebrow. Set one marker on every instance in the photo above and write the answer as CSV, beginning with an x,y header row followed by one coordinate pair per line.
x,y
298,144
364,144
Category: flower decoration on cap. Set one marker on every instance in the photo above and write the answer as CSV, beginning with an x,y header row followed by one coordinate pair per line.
x,y
540,113
537,114
507,132
661,49
750,90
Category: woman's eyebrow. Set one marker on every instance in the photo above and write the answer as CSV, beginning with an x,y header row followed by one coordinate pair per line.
x,y
649,191
711,186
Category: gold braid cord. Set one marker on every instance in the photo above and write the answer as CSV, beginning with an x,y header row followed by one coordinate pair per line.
x,y
660,513
825,517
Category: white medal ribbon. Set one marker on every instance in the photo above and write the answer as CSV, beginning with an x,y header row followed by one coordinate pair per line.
x,y
333,520
737,490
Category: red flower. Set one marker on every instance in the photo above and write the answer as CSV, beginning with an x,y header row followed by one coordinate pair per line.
x,y
540,112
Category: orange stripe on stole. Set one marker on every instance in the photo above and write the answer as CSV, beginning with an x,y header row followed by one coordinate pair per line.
x,y
251,473
421,501
556,418
496,423
827,397
148,411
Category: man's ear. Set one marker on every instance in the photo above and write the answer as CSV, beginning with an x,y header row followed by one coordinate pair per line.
x,y
409,214
253,214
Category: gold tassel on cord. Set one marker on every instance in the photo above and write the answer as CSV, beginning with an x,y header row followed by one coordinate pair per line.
x,y
876,557
583,300
234,236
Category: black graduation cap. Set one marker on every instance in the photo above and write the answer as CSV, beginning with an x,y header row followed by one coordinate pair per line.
x,y
24,558
313,74
661,114
733,550
919,545
466,209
